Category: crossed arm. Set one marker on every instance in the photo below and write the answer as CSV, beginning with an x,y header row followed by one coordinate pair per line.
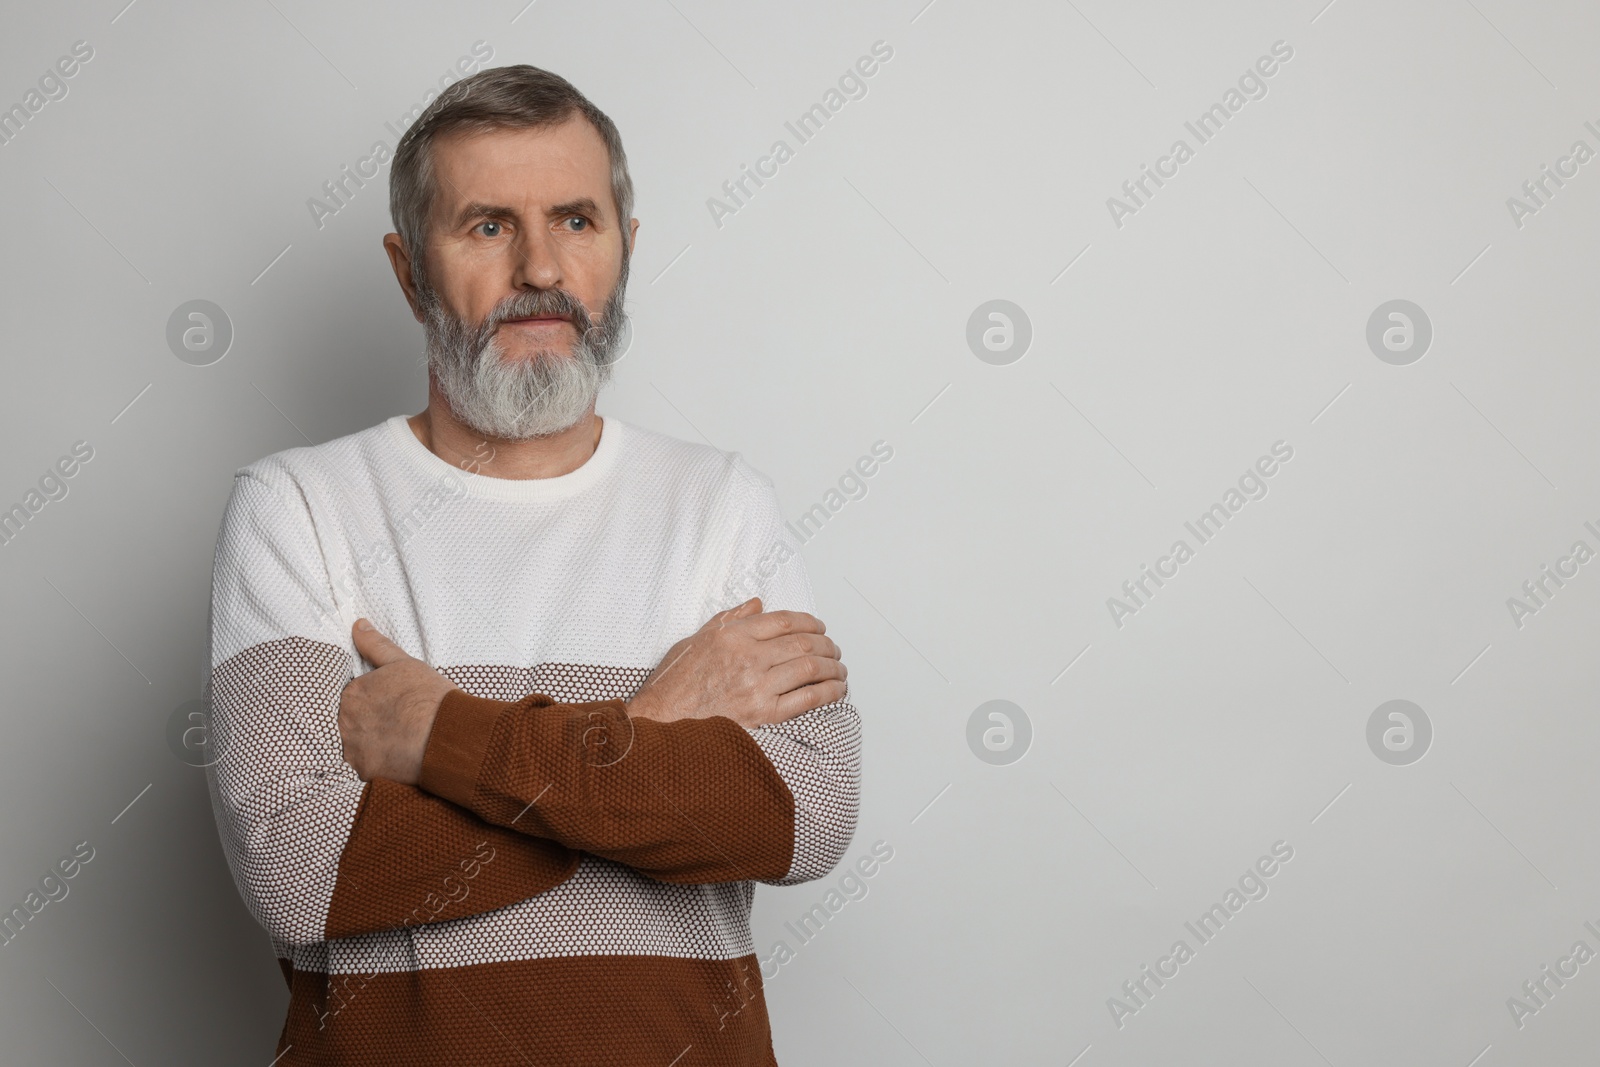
x,y
752,667
459,805
671,782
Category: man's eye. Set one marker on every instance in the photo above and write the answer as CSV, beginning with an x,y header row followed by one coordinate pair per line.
x,y
497,227
582,223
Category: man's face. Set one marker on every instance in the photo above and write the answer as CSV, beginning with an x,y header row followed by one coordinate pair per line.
x,y
524,274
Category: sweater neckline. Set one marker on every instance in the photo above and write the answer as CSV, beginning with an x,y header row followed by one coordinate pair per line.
x,y
486,487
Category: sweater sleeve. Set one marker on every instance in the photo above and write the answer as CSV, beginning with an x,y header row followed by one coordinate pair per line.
x,y
693,800
818,754
315,852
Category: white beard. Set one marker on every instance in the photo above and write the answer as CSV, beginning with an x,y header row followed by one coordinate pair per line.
x,y
516,399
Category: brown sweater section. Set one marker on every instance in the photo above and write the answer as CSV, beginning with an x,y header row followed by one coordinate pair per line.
x,y
616,1011
413,858
690,801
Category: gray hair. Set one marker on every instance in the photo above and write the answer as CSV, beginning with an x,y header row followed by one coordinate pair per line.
x,y
515,97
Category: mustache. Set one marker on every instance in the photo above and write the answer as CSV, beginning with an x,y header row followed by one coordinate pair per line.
x,y
531,303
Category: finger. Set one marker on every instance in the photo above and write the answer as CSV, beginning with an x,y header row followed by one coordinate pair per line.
x,y
809,698
795,646
375,648
777,623
807,670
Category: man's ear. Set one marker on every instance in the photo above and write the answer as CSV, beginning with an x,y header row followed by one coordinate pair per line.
x,y
402,270
633,235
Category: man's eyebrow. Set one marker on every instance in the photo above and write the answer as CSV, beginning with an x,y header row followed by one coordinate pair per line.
x,y
478,209
583,205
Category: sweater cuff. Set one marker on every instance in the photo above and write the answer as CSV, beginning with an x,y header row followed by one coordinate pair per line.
x,y
456,747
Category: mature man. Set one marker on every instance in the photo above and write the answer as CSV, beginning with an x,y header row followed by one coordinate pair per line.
x,y
542,848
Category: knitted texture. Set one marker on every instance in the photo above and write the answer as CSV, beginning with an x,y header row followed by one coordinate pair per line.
x,y
565,884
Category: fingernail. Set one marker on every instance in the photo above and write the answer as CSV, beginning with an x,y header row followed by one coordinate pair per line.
x,y
363,624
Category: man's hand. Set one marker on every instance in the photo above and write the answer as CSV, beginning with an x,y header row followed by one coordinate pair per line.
x,y
386,715
753,667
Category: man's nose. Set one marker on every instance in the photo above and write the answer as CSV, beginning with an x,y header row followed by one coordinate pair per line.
x,y
537,264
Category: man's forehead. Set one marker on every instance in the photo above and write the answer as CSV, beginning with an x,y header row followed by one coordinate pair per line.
x,y
532,169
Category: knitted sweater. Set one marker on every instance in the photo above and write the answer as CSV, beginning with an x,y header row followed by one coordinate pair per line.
x,y
565,885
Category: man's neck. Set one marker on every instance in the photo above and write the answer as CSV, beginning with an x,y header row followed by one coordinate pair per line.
x,y
536,457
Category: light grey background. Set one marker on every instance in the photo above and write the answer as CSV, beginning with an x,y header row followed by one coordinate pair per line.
x,y
831,312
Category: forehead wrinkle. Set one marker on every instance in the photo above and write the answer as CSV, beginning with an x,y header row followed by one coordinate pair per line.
x,y
520,153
